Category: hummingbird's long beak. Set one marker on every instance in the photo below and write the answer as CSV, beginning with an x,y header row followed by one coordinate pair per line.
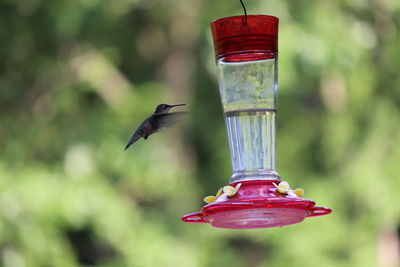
x,y
177,105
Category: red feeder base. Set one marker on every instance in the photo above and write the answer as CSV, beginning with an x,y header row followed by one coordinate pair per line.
x,y
257,204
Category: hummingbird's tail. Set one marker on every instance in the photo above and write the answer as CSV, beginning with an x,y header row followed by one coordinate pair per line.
x,y
127,146
134,138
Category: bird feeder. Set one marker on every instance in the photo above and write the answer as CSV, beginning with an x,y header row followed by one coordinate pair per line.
x,y
246,49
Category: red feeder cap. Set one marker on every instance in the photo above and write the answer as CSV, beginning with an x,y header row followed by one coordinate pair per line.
x,y
234,37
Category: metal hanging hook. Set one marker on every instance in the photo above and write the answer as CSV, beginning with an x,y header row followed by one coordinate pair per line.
x,y
245,13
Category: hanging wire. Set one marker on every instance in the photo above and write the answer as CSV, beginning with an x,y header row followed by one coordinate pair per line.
x,y
245,13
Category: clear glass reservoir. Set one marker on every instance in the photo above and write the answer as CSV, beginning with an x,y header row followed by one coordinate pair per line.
x,y
247,75
248,95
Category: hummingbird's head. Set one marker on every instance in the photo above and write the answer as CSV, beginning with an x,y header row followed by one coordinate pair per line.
x,y
164,108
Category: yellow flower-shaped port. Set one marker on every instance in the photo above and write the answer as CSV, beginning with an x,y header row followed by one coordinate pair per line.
x,y
228,191
299,192
219,193
284,188
209,199
237,187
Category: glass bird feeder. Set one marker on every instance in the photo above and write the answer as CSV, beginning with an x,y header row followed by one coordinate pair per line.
x,y
246,54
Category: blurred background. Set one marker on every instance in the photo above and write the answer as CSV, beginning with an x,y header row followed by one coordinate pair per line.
x,y
77,77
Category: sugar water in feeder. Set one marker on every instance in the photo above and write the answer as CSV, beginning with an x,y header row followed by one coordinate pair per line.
x,y
246,49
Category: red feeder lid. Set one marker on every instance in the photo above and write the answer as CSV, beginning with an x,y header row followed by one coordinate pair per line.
x,y
241,37
257,204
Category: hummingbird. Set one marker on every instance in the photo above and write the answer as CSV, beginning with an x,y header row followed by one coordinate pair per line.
x,y
158,120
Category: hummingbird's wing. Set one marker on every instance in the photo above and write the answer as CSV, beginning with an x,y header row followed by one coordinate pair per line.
x,y
166,120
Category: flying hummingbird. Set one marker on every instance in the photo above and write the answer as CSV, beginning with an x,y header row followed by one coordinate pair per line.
x,y
158,120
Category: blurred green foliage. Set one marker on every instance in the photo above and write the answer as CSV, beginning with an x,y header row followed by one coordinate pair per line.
x,y
76,77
